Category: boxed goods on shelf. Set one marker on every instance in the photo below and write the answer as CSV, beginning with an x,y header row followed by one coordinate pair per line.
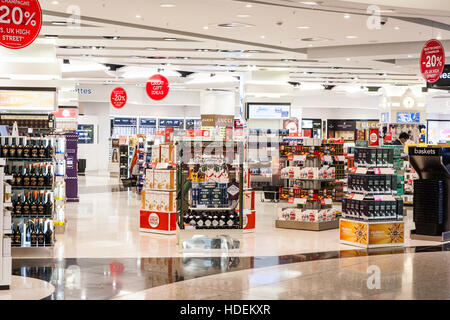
x,y
160,201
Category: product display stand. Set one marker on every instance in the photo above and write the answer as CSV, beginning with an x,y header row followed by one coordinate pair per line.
x,y
372,214
210,177
158,212
35,169
310,183
5,229
431,193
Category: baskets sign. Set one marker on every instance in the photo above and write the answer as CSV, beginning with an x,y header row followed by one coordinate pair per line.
x,y
20,23
157,87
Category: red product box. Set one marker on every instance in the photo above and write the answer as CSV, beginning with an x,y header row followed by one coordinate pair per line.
x,y
249,220
158,222
249,200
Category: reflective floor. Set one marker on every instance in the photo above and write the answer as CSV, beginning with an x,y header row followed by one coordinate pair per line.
x,y
102,255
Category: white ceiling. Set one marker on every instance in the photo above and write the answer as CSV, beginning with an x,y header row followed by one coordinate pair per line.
x,y
271,41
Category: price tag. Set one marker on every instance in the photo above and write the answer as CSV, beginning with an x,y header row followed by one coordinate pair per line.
x,y
299,200
291,200
356,196
353,170
377,170
387,197
162,166
378,197
361,170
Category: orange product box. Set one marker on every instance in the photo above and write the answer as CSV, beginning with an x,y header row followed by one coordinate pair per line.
x,y
160,201
149,181
164,179
167,153
156,154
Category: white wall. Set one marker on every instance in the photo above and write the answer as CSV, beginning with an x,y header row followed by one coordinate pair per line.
x,y
340,113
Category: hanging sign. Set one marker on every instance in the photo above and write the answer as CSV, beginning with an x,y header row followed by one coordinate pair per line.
x,y
118,98
432,60
20,23
157,87
374,137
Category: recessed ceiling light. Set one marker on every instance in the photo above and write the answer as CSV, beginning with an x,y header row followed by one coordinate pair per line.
x,y
347,16
55,2
170,39
348,59
310,45
310,3
205,27
397,28
234,25
150,49
202,50
243,16
49,36
303,27
253,51
262,37
439,37
248,6
59,23
314,39
409,56
351,37
138,16
167,5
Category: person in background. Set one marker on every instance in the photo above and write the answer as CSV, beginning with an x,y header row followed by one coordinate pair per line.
x,y
401,139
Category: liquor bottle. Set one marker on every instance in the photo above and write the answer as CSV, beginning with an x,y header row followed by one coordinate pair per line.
x,y
17,208
40,234
5,148
215,221
41,149
7,171
192,221
48,205
17,236
237,221
33,205
19,149
14,174
27,150
33,236
222,221
19,178
48,149
28,232
186,218
13,149
199,222
208,221
49,176
230,221
34,150
33,176
41,205
26,177
40,177
26,206
48,235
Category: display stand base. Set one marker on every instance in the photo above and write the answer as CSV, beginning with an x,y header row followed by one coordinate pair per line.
x,y
445,237
25,252
311,226
4,288
157,231
183,235
73,199
377,234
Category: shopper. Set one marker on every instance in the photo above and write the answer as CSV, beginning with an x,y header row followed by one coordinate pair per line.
x,y
401,139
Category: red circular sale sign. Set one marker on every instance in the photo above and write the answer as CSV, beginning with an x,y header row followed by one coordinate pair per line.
x,y
20,22
432,60
157,87
118,98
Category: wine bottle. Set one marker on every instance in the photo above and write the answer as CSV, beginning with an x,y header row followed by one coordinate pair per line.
x,y
40,177
49,235
215,221
40,235
13,149
17,236
33,204
41,149
5,148
230,221
16,205
33,236
14,174
34,150
33,176
19,149
26,206
48,149
199,222
222,221
48,205
27,150
49,176
19,178
208,221
41,205
28,232
26,177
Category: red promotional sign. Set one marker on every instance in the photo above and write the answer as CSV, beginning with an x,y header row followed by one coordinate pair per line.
x,y
432,60
169,135
66,113
20,23
118,98
374,137
157,87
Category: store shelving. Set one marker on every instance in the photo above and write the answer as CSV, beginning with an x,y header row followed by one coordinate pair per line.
x,y
210,177
5,230
309,187
372,213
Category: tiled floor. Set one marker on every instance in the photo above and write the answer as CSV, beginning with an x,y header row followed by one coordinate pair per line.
x,y
102,255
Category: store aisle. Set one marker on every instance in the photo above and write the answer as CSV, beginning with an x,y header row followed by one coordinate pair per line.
x,y
105,224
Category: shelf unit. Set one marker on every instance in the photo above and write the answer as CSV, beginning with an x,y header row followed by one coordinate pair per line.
x,y
5,231
309,184
210,178
372,213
